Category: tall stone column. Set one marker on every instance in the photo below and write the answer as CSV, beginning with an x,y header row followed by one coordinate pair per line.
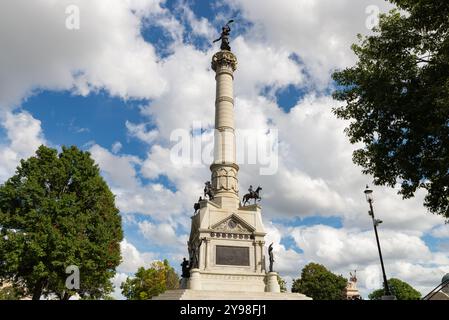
x,y
224,168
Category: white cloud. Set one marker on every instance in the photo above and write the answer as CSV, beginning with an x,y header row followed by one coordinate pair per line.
x,y
162,234
319,32
139,131
441,231
132,196
132,259
287,262
342,247
116,147
200,26
261,66
107,52
118,279
190,94
406,256
119,170
24,135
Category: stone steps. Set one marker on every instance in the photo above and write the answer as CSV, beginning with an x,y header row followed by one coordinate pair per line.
x,y
188,294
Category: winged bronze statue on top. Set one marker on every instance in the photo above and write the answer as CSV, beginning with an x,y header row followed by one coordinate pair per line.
x,y
225,31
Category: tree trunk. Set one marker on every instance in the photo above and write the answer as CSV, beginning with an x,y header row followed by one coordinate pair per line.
x,y
37,292
66,296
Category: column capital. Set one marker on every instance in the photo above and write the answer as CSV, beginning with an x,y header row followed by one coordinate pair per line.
x,y
224,58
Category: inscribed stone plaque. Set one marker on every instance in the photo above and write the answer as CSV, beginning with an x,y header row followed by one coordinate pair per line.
x,y
234,256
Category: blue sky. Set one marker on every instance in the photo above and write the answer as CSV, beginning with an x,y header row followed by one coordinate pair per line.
x,y
139,70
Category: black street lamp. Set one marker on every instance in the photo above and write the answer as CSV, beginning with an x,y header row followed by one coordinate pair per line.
x,y
369,197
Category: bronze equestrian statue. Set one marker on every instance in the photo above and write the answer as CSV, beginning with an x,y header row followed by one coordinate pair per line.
x,y
252,195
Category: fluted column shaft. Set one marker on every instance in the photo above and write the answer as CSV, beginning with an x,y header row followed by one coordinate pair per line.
x,y
224,169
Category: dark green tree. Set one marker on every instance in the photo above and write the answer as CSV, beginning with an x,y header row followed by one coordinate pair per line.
x,y
401,289
319,283
397,99
148,283
57,211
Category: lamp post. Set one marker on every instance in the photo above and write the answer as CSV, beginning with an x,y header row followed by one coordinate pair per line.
x,y
369,197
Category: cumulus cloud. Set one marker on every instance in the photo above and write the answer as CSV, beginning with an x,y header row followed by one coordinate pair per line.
x,y
200,26
341,250
441,231
116,147
262,66
139,131
342,247
119,170
132,259
161,235
23,136
107,52
319,32
118,279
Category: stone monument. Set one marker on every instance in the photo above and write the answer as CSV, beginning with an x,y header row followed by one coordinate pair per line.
x,y
226,244
351,292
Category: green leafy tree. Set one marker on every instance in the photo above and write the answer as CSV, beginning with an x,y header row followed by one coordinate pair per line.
x,y
397,99
319,283
57,211
148,283
282,284
10,293
401,289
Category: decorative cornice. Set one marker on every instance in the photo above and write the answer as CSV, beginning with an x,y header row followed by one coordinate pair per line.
x,y
236,218
224,58
216,166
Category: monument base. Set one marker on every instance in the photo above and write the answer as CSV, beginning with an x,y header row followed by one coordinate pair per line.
x,y
222,281
188,294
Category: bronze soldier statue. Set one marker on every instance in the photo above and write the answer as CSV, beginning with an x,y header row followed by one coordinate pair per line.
x,y
270,254
196,206
208,191
185,268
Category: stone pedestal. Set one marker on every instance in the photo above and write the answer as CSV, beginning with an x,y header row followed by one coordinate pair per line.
x,y
272,282
227,295
184,283
231,254
194,280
